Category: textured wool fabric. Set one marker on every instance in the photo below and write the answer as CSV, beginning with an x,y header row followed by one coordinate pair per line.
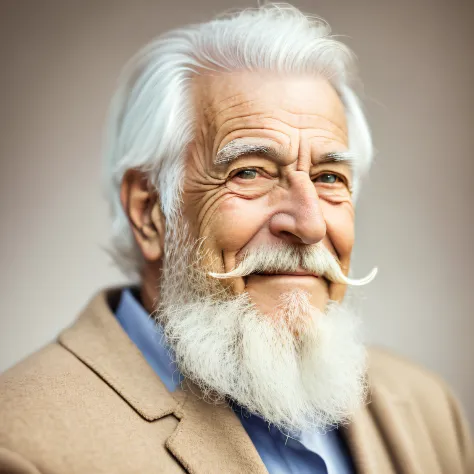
x,y
90,403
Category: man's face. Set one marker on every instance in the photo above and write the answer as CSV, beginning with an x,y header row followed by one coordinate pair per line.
x,y
266,197
291,190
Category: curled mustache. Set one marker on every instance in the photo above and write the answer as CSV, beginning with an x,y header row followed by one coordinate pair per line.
x,y
315,259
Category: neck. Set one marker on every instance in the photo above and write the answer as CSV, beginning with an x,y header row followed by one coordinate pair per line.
x,y
149,289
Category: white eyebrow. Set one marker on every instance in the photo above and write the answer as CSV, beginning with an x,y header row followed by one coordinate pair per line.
x,y
237,148
338,156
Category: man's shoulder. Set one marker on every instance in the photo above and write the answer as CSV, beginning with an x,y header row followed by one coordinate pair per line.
x,y
405,382
35,396
402,376
48,381
46,370
71,406
58,415
398,385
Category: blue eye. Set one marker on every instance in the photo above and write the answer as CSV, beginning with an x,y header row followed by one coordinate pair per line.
x,y
247,174
328,178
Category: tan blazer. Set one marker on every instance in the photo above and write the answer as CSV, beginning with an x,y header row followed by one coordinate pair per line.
x,y
90,403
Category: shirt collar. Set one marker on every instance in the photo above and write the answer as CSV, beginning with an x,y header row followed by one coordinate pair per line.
x,y
149,338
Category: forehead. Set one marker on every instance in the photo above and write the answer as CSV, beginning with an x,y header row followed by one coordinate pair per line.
x,y
245,98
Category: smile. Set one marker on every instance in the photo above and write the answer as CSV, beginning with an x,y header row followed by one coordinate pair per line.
x,y
294,274
298,276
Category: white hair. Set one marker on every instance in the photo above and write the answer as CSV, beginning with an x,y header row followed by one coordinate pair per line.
x,y
151,118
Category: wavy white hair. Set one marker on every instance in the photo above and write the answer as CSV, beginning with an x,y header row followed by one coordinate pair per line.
x,y
151,117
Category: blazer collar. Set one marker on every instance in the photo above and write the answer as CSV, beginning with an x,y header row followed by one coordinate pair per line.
x,y
98,340
209,438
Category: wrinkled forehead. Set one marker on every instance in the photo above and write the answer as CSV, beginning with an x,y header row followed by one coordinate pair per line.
x,y
299,101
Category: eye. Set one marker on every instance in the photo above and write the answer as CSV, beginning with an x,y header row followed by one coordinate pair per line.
x,y
250,182
247,174
328,178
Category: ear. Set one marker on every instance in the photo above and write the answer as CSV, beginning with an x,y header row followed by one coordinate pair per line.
x,y
141,203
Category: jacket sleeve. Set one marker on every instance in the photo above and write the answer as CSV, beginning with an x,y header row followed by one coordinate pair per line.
x,y
13,463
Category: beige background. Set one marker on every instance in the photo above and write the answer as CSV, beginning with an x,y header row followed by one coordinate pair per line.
x,y
59,63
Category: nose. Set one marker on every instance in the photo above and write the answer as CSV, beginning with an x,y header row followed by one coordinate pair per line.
x,y
299,219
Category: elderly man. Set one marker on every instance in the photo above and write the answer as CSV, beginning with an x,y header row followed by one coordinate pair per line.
x,y
235,154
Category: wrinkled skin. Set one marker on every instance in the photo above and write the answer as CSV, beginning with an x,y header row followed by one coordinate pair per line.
x,y
257,199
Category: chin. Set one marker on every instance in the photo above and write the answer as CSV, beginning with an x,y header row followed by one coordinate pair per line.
x,y
297,370
268,292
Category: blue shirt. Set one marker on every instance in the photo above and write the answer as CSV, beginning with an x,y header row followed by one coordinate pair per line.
x,y
309,453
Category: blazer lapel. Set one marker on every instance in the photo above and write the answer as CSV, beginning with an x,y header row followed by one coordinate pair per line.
x,y
211,439
208,439
98,340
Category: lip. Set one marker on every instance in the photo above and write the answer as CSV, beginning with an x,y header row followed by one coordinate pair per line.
x,y
297,274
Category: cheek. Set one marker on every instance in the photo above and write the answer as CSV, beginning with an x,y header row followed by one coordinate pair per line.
x,y
235,222
340,232
340,228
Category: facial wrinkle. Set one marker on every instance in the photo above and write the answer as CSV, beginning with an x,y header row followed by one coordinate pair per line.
x,y
294,120
246,121
301,120
211,206
243,113
272,125
304,154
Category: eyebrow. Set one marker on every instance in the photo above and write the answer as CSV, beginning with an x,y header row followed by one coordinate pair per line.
x,y
237,149
338,157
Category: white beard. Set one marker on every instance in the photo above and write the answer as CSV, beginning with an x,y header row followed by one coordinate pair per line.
x,y
299,369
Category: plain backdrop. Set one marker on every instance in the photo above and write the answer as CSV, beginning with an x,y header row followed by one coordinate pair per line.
x,y
59,63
